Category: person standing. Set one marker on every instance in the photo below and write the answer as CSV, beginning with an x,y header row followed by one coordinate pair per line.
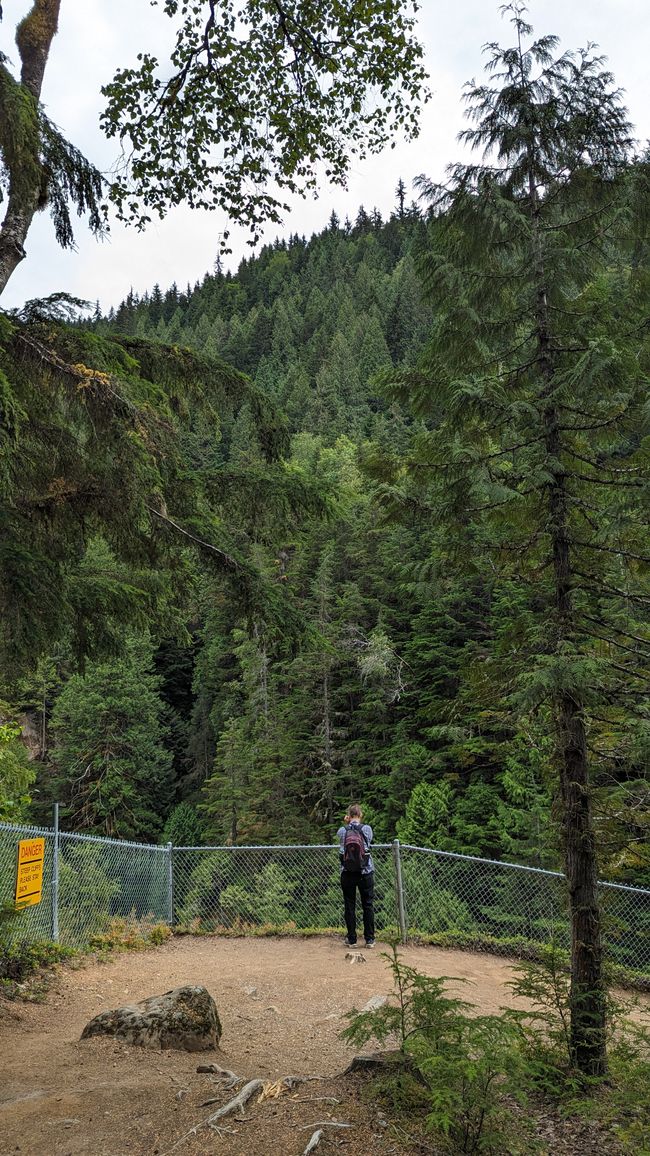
x,y
357,874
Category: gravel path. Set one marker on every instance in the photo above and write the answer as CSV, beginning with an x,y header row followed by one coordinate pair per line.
x,y
281,1003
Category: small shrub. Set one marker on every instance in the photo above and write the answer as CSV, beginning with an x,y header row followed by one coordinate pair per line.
x,y
159,934
625,1106
620,1100
127,933
24,966
469,1068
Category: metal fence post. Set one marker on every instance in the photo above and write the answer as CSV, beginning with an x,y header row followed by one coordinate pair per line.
x,y
55,874
170,885
399,890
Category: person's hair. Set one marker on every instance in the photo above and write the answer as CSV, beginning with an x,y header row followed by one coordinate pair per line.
x,y
354,811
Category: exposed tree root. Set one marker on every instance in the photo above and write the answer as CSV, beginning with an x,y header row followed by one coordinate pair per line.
x,y
237,1103
269,1090
314,1142
227,1078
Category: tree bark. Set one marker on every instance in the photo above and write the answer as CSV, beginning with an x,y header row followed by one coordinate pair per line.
x,y
34,39
588,1003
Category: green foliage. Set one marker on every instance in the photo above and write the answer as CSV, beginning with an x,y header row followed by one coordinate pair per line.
x,y
86,891
257,95
19,135
482,1083
117,457
16,775
24,967
528,394
40,166
127,933
470,1065
545,986
113,771
426,819
222,890
183,827
624,1107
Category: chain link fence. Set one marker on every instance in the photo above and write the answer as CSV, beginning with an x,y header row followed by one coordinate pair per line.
x,y
233,888
87,882
436,896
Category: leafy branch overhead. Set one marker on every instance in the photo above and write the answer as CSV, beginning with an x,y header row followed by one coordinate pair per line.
x,y
262,92
262,95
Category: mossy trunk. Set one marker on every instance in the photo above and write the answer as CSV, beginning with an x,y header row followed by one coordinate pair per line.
x,y
21,153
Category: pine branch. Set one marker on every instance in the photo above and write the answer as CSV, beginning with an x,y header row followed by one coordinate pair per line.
x,y
230,562
619,553
613,591
616,629
613,642
632,484
601,465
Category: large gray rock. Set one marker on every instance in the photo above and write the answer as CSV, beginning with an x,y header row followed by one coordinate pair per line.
x,y
185,1018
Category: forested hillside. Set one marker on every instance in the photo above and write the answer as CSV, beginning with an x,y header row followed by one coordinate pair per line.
x,y
381,700
384,674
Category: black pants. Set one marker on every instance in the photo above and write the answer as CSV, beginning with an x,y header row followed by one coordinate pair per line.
x,y
366,883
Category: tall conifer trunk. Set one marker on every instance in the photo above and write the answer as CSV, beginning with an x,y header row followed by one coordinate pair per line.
x,y
588,1020
515,383
588,1041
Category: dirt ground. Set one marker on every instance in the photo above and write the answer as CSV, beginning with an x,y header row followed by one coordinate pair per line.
x,y
281,1004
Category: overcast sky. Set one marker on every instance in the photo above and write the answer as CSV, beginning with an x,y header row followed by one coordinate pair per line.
x,y
96,37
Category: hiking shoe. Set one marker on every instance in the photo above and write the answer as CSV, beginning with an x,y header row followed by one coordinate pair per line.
x,y
370,943
349,942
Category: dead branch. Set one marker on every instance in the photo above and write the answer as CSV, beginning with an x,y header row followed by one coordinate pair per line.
x,y
314,1142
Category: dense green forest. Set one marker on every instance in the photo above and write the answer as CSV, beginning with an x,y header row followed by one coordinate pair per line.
x,y
367,518
386,676
296,534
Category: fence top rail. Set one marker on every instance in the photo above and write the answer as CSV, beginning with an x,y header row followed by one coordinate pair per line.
x,y
31,830
624,887
277,847
76,837
520,867
476,859
25,829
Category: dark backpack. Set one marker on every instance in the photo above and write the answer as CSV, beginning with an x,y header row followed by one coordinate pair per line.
x,y
355,849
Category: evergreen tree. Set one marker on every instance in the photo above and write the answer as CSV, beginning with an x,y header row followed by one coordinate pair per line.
x,y
183,827
16,775
114,773
535,385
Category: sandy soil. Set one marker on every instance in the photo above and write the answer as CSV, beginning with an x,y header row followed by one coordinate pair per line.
x,y
281,1003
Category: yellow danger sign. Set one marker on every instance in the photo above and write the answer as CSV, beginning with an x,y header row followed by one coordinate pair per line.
x,y
29,874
